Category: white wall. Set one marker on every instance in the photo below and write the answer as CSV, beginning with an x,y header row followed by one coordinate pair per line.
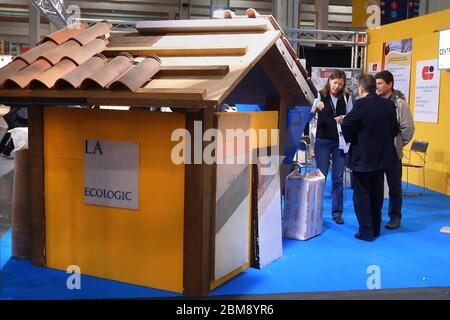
x,y
430,6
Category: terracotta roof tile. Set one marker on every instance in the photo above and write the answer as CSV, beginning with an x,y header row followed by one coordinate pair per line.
x,y
65,34
49,77
85,52
11,69
33,54
74,78
24,77
71,58
228,14
100,29
252,13
55,55
108,72
138,75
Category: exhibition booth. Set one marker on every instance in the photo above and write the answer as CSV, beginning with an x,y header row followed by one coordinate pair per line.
x,y
188,227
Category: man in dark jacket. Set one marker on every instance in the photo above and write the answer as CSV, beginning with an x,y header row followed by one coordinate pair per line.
x,y
385,88
371,128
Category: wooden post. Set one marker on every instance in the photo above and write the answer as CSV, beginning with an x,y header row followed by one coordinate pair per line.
x,y
36,147
284,168
272,103
199,214
284,105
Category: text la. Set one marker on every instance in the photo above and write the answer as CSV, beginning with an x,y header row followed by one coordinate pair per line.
x,y
92,149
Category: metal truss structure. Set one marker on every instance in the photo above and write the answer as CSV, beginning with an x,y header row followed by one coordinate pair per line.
x,y
357,40
118,26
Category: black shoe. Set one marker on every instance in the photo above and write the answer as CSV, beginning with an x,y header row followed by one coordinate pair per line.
x,y
394,223
358,236
338,220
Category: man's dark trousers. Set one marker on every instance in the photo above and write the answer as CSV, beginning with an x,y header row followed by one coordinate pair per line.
x,y
368,201
394,181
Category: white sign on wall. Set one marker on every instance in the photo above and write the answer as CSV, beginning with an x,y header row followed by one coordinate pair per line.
x,y
374,68
4,60
426,103
444,49
111,173
397,58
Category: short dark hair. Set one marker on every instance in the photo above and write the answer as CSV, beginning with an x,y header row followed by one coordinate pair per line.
x,y
387,76
368,83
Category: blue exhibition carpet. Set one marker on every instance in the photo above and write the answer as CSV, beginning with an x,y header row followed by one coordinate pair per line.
x,y
416,255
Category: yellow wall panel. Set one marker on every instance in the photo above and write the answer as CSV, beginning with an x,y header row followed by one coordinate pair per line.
x,y
259,120
142,246
425,46
265,120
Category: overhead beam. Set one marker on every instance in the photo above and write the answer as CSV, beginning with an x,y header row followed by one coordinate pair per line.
x,y
185,9
322,14
293,12
170,7
34,26
280,8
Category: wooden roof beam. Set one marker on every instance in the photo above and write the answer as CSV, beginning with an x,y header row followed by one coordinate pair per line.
x,y
177,52
212,70
202,25
144,97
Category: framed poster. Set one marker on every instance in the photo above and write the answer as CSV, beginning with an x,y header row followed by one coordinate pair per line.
x,y
397,60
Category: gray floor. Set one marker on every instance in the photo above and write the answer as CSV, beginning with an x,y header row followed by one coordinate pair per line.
x,y
431,293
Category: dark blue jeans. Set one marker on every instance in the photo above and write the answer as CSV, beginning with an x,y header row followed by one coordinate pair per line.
x,y
325,150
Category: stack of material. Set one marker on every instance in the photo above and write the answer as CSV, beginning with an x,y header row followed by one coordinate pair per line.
x,y
303,210
266,217
21,215
232,198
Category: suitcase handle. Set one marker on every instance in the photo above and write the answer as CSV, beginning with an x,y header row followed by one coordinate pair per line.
x,y
297,166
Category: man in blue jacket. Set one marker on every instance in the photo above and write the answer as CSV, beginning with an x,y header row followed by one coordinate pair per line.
x,y
371,128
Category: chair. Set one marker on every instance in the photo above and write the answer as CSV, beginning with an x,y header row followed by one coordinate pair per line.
x,y
418,148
